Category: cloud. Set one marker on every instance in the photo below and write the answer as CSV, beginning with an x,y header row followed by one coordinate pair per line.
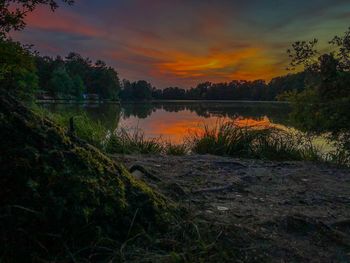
x,y
186,41
61,21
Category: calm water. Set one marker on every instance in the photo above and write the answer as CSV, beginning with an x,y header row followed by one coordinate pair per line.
x,y
174,120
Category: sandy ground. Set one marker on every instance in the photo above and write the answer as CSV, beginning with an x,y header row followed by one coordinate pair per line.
x,y
299,211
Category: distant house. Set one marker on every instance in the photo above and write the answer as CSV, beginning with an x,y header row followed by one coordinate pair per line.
x,y
91,96
44,95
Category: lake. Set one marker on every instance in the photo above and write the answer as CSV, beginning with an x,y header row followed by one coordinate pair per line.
x,y
173,120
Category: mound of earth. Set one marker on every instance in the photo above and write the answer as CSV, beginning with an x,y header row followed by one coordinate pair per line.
x,y
60,196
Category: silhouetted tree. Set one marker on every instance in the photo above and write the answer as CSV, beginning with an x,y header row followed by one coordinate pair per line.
x,y
324,105
13,12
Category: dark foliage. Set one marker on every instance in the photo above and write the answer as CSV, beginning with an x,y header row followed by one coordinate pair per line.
x,y
235,90
324,106
62,197
13,12
75,76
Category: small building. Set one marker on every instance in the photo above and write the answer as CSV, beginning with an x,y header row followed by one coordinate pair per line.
x,y
44,95
91,96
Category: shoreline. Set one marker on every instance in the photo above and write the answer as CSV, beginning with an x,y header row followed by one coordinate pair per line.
x,y
63,101
288,209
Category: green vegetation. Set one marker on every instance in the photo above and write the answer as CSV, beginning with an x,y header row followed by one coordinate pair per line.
x,y
270,144
257,90
63,200
176,149
323,107
62,195
94,132
225,139
122,141
74,76
17,70
138,90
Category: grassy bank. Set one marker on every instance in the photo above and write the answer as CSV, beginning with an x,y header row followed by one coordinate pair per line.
x,y
224,139
65,201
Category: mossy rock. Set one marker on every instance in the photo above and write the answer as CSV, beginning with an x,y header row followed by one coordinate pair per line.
x,y
60,194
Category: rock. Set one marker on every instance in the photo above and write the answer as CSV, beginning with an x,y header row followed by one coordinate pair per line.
x,y
222,208
139,171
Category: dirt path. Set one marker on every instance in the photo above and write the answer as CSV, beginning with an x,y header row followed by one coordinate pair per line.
x,y
299,211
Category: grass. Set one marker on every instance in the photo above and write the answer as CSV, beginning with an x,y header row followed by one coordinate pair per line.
x,y
120,141
224,139
125,142
227,139
176,149
94,132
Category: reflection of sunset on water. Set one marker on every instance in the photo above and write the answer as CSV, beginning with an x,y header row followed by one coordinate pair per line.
x,y
263,123
175,126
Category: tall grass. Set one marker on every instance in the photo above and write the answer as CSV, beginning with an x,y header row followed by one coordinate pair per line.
x,y
94,132
270,143
175,149
120,141
125,142
224,139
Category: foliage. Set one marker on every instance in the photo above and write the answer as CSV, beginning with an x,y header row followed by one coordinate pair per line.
x,y
75,76
235,90
78,87
17,69
104,81
13,12
62,197
139,90
60,82
324,106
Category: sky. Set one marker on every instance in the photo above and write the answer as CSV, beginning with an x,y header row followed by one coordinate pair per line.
x,y
184,42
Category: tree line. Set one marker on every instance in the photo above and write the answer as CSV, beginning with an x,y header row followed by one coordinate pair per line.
x,y
75,77
235,90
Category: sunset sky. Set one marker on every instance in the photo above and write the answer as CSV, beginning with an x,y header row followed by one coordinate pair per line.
x,y
183,42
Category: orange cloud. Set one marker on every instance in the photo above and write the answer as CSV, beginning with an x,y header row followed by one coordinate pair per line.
x,y
189,65
241,62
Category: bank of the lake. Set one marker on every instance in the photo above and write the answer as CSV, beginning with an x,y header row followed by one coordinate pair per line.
x,y
264,211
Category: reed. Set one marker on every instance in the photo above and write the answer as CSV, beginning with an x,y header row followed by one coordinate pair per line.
x,y
228,139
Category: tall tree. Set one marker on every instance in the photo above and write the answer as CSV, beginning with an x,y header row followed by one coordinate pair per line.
x,y
17,70
105,81
61,83
324,106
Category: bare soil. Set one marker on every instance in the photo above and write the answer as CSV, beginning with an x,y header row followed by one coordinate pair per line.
x,y
294,211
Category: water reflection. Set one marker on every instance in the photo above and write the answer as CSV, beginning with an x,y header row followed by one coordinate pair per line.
x,y
174,120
